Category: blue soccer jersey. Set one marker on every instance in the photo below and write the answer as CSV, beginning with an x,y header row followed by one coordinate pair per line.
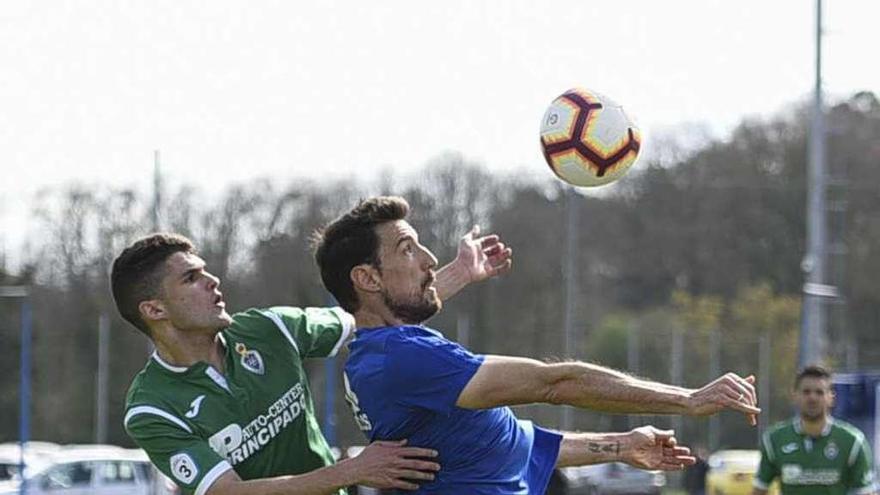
x,y
403,382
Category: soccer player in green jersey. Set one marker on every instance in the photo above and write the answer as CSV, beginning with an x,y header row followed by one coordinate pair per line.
x,y
813,453
226,398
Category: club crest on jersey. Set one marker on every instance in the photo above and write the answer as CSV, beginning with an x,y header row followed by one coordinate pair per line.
x,y
250,359
831,450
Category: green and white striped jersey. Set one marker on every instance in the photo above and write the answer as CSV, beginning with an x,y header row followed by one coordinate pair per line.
x,y
837,462
257,418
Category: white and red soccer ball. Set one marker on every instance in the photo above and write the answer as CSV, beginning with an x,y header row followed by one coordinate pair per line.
x,y
587,138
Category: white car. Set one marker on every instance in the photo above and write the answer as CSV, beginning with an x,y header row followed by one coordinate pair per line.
x,y
35,458
90,470
609,478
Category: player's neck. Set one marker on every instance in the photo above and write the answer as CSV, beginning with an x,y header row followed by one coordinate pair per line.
x,y
185,349
814,426
366,317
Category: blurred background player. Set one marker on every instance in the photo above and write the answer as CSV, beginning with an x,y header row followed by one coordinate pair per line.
x,y
814,453
405,380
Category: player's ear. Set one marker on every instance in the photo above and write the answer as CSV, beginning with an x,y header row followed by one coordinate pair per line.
x,y
366,278
152,310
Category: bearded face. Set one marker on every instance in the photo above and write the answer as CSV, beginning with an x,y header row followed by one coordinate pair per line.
x,y
414,308
814,398
406,269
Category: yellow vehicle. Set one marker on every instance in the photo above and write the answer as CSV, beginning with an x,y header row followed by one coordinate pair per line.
x,y
731,473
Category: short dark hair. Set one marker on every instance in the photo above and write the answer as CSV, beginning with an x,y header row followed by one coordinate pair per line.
x,y
137,273
812,371
351,240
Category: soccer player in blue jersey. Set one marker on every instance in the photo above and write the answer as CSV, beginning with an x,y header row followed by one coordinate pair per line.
x,y
406,381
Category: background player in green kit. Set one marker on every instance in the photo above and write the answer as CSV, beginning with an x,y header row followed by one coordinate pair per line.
x,y
226,399
813,453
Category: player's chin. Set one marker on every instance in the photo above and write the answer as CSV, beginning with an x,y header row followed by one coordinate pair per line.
x,y
813,414
431,306
224,318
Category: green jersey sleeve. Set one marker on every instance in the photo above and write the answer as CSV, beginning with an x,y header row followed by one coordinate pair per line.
x,y
768,469
314,332
173,448
860,478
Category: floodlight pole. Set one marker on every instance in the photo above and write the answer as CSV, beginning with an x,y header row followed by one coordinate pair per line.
x,y
24,419
155,217
816,291
101,379
569,275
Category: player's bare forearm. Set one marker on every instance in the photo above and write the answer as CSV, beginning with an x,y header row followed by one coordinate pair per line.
x,y
645,447
380,465
506,380
319,482
580,449
602,389
450,279
598,388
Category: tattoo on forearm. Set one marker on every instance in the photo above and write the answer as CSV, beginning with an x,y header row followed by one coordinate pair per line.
x,y
604,447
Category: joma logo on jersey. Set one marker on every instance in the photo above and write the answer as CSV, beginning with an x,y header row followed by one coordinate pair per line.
x,y
194,407
237,444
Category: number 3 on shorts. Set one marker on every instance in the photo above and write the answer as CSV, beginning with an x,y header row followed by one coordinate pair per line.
x,y
184,468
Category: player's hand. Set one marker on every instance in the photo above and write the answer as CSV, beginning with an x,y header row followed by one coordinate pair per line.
x,y
483,257
730,391
650,448
392,465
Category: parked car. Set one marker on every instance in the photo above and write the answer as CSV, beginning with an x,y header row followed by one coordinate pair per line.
x,y
35,458
731,472
89,470
606,479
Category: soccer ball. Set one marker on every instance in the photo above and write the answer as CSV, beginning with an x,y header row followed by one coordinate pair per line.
x,y
587,139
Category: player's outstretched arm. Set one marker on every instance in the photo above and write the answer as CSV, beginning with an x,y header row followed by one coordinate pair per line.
x,y
645,447
479,258
504,380
384,465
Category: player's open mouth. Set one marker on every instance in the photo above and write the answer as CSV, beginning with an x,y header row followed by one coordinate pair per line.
x,y
218,301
